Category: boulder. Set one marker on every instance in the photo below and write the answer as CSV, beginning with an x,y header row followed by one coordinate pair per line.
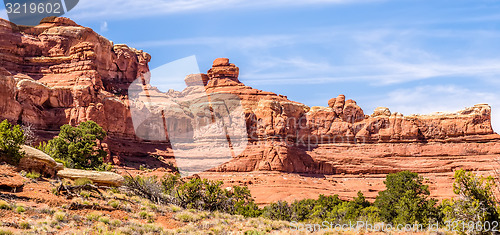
x,y
338,106
10,179
36,160
196,80
222,69
352,112
32,91
98,177
381,111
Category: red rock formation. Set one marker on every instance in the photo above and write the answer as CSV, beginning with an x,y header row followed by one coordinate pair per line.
x,y
59,72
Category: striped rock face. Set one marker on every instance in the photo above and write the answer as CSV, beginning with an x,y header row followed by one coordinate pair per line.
x,y
59,73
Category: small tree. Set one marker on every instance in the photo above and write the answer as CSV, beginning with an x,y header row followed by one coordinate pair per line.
x,y
278,211
406,200
475,203
78,147
11,139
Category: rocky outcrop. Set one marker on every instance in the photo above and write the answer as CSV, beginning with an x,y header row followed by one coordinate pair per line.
x,y
61,73
97,177
37,161
223,69
10,179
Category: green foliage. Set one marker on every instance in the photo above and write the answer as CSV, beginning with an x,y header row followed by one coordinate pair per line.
x,y
405,200
325,208
77,147
243,202
83,181
33,175
278,211
4,205
5,232
11,139
475,203
24,225
20,209
194,194
115,204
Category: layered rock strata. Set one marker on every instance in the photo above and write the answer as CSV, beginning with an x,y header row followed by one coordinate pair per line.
x,y
62,73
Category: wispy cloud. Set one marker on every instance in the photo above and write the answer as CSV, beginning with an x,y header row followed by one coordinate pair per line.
x,y
378,56
132,8
104,27
234,42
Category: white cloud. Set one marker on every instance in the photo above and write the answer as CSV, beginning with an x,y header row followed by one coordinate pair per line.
x,y
380,57
88,9
104,27
235,42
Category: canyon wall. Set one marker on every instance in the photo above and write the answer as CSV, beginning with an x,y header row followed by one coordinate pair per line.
x,y
61,73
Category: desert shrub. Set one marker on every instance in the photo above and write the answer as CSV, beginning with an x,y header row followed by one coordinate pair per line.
x,y
104,220
94,216
5,232
147,187
20,209
243,203
301,210
4,205
370,214
475,203
60,216
278,211
11,139
405,201
116,223
115,204
187,216
325,208
33,175
83,181
78,147
194,194
24,225
203,194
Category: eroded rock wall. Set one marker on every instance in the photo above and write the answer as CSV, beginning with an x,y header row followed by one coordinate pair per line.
x,y
61,73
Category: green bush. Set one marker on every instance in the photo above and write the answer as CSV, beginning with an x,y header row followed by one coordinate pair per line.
x,y
11,139
202,194
194,194
405,201
78,147
33,175
83,181
475,203
4,205
278,211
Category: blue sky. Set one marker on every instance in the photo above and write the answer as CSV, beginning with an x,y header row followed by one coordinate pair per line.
x,y
411,56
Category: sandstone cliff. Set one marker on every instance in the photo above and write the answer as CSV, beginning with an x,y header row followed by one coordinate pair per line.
x,y
61,73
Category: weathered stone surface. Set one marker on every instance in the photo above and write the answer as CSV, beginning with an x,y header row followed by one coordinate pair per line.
x,y
223,69
97,177
38,161
196,80
381,111
30,91
10,179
